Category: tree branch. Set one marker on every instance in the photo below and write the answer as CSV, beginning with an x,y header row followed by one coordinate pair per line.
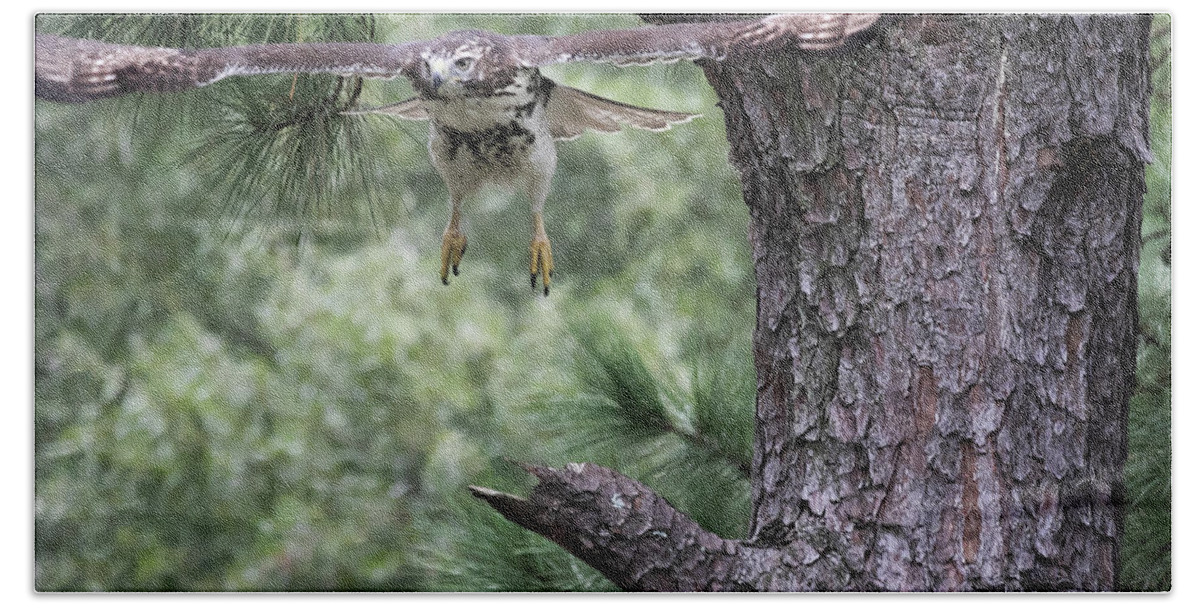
x,y
620,527
633,536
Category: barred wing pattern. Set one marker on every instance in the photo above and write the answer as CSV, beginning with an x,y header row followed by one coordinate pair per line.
x,y
689,41
571,112
73,70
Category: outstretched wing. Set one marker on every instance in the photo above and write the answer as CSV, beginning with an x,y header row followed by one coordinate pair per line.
x,y
570,112
73,70
686,41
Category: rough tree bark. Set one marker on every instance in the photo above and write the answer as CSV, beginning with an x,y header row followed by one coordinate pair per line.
x,y
945,228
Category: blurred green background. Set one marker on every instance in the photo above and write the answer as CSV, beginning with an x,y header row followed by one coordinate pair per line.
x,y
248,375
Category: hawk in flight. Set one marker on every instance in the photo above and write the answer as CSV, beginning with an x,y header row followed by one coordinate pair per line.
x,y
493,118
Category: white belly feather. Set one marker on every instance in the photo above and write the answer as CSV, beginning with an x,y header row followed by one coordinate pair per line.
x,y
504,140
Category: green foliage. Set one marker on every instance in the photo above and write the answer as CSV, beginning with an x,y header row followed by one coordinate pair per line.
x,y
219,408
649,425
1146,552
468,547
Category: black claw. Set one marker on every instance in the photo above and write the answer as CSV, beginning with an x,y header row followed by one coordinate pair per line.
x,y
533,281
546,291
445,281
456,270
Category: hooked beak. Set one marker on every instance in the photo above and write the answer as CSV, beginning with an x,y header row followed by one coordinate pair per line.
x,y
439,70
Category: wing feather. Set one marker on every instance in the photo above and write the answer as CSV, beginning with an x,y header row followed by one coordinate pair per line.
x,y
638,46
74,70
809,31
571,112
689,41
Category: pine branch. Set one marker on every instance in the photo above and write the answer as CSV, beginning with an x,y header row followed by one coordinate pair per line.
x,y
279,145
620,527
617,373
633,536
712,446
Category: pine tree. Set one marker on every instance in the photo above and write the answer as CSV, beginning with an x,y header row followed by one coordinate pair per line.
x,y
945,348
350,471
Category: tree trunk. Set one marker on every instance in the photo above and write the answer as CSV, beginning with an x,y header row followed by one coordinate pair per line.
x,y
945,227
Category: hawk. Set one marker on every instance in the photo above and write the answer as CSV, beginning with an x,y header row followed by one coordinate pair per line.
x,y
493,117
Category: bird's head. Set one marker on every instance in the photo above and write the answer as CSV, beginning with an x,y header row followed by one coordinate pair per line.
x,y
466,64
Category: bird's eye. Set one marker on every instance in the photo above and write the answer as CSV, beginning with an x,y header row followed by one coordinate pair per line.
x,y
464,63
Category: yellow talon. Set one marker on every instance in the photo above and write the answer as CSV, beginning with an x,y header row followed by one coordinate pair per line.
x,y
541,261
454,245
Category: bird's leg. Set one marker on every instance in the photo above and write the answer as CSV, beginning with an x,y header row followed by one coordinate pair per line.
x,y
454,242
541,261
